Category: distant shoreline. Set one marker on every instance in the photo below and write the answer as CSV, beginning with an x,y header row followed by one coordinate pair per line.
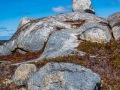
x,y
2,42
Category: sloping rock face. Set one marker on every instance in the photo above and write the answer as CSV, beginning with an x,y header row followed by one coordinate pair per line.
x,y
67,31
82,6
64,76
114,21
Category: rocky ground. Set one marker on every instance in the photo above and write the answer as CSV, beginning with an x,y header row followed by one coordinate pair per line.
x,y
74,51
101,58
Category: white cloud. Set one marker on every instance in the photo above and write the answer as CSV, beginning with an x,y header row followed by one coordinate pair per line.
x,y
113,2
61,9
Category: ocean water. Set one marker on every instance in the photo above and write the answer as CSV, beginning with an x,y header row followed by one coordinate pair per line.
x,y
5,37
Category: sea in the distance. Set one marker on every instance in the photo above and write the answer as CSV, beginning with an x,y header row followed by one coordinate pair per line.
x,y
5,37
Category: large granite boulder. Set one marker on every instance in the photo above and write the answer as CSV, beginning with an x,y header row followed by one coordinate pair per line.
x,y
64,76
114,21
23,73
83,6
37,34
61,43
65,41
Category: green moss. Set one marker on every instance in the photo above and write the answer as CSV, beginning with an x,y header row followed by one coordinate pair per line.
x,y
112,48
91,47
68,59
116,62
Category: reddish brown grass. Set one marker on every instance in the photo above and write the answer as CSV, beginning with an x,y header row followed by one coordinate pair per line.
x,y
106,63
76,23
17,57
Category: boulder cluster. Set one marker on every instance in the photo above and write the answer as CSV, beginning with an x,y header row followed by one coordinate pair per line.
x,y
57,36
57,76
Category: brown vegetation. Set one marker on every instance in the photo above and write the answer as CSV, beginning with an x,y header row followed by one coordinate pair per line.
x,y
17,57
59,28
106,61
76,23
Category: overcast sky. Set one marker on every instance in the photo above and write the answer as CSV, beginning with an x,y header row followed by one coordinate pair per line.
x,y
13,10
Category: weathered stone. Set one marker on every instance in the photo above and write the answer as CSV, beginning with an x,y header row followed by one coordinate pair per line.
x,y
83,6
114,21
23,73
64,76
64,42
61,43
8,47
24,21
116,32
34,35
96,32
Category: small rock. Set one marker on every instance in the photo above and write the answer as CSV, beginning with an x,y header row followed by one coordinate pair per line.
x,y
81,53
23,73
96,32
8,81
83,6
